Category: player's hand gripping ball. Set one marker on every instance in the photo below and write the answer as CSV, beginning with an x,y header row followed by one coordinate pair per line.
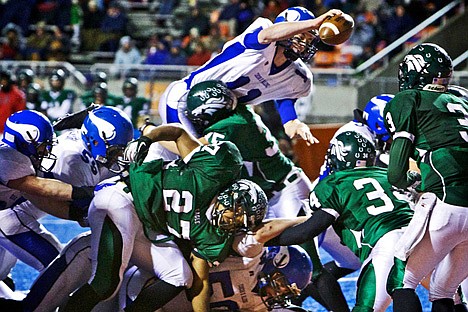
x,y
336,29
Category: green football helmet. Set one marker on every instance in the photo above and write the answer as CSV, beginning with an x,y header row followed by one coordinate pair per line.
x,y
242,206
426,67
350,150
208,102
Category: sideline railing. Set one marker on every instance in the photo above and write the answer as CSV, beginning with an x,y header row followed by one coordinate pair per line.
x,y
330,76
395,45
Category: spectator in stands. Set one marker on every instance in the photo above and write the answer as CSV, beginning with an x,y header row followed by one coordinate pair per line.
x,y
176,56
164,10
18,12
239,13
91,29
37,43
59,46
114,26
12,99
215,39
229,11
363,36
245,17
398,24
157,52
12,45
197,20
127,53
200,55
55,12
364,32
168,6
272,10
76,20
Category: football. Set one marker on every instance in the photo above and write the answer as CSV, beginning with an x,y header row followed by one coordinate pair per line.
x,y
336,29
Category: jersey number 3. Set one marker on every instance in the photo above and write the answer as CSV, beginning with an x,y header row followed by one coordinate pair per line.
x,y
377,193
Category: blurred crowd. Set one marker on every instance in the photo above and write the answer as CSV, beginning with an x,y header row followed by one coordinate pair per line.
x,y
50,30
53,97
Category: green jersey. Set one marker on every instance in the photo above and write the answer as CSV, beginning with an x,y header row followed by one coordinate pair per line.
x,y
364,207
87,98
176,198
437,125
134,107
57,104
264,163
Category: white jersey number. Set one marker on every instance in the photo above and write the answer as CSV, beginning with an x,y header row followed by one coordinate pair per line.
x,y
453,108
378,193
179,203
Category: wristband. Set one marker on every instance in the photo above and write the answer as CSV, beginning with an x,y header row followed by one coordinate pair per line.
x,y
82,192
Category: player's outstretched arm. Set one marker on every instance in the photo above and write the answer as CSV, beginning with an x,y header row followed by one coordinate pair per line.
x,y
185,141
305,231
283,31
272,228
42,187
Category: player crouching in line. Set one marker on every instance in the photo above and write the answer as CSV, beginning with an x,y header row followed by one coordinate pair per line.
x,y
119,236
265,282
358,201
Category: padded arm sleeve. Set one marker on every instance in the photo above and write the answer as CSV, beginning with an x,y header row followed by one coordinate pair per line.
x,y
303,232
286,109
399,163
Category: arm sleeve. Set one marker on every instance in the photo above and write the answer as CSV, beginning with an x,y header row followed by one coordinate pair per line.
x,y
399,163
303,232
251,40
286,109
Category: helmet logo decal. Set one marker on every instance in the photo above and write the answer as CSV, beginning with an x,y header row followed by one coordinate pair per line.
x,y
281,259
30,133
415,62
213,98
338,149
107,130
291,15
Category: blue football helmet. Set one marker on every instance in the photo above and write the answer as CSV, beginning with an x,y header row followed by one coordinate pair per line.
x,y
106,131
308,39
31,134
373,115
286,271
242,206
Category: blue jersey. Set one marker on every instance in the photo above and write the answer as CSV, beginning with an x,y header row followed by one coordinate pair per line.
x,y
247,68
